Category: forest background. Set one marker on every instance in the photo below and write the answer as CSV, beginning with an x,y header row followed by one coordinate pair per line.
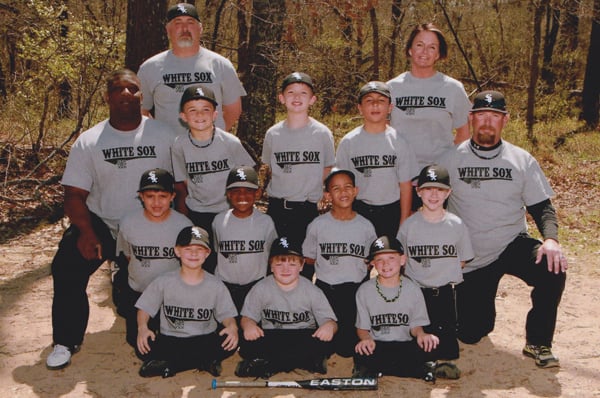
x,y
543,54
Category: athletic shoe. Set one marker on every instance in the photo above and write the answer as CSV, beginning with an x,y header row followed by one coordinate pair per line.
x,y
447,370
256,367
319,366
60,357
542,354
214,368
156,367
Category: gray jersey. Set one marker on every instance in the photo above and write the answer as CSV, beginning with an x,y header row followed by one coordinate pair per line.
x,y
435,250
426,111
297,158
109,163
204,166
187,310
390,321
379,161
149,246
165,77
339,248
490,192
242,246
304,307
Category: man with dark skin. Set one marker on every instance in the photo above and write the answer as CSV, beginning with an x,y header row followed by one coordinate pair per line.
x,y
100,180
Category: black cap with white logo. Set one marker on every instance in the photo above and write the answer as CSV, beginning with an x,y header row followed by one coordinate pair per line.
x,y
489,101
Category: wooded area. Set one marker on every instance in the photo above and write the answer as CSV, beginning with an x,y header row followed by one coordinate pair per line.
x,y
542,53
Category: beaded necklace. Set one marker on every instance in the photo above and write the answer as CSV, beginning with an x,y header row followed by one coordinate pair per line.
x,y
388,300
212,137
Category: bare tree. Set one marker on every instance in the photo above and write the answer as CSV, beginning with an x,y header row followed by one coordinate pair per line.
x,y
534,72
147,38
261,56
591,83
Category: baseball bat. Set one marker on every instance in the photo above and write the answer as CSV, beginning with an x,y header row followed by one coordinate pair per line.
x,y
329,383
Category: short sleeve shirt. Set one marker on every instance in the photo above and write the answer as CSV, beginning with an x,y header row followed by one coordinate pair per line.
x,y
164,78
304,307
108,163
390,321
426,111
490,193
435,250
205,168
187,310
379,161
297,158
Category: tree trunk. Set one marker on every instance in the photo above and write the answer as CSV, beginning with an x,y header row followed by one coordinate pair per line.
x,y
569,28
397,17
591,82
538,12
552,25
266,30
375,27
146,34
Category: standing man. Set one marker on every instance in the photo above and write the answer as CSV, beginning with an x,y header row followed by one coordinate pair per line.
x,y
493,184
100,182
166,75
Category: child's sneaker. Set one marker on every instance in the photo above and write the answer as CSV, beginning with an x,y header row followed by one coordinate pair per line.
x,y
156,367
542,354
447,370
60,357
214,368
256,367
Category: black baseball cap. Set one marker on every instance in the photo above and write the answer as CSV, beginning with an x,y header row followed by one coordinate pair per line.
x,y
297,77
374,87
195,92
384,244
182,10
243,176
335,171
489,101
193,236
434,176
157,180
282,246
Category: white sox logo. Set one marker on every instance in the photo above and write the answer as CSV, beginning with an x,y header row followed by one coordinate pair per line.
x,y
152,177
488,98
196,232
379,244
181,9
241,175
284,243
431,175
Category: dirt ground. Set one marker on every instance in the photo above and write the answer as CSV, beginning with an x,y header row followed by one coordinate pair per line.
x,y
107,367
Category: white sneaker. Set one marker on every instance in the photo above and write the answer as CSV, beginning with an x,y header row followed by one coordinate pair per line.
x,y
59,358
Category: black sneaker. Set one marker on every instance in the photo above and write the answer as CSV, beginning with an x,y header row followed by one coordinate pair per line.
x,y
429,375
214,368
319,366
256,367
447,370
156,367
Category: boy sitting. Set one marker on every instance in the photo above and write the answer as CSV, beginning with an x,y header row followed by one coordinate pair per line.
x,y
192,303
390,317
287,321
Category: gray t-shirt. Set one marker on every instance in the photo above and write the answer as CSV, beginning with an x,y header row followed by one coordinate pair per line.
x,y
426,111
490,192
435,250
390,321
304,307
108,163
297,158
187,310
149,245
339,247
242,246
204,166
379,161
165,77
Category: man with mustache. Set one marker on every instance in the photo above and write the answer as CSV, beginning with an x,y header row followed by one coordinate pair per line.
x,y
166,75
